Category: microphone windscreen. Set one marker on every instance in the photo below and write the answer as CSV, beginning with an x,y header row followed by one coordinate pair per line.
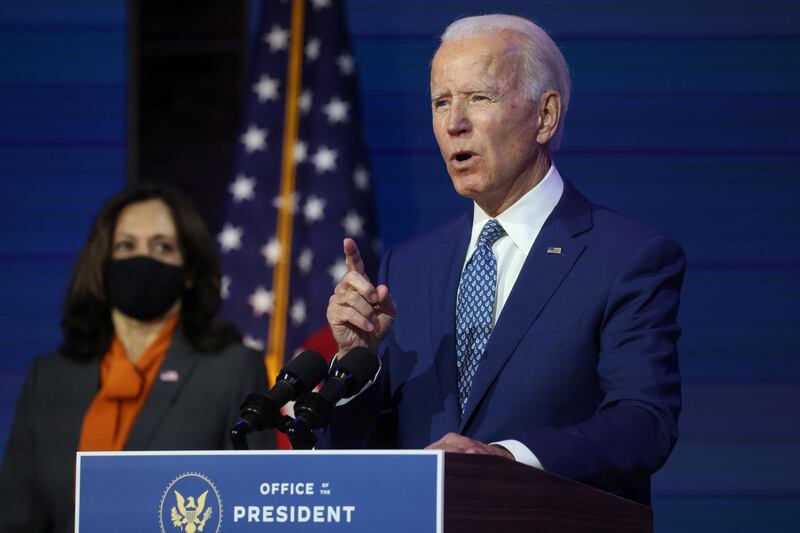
x,y
310,367
361,364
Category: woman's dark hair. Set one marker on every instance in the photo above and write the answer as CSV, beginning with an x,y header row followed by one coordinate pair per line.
x,y
86,323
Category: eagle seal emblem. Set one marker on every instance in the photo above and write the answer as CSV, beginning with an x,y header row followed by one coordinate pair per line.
x,y
189,517
190,504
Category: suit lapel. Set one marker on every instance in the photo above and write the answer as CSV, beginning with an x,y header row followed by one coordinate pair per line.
x,y
84,384
445,272
180,360
541,275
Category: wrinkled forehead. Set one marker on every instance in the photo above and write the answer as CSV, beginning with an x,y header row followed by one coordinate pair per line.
x,y
493,57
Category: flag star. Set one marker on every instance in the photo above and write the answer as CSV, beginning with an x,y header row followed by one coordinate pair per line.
x,y
312,48
271,251
304,102
361,178
242,188
336,110
314,209
267,88
353,224
300,152
252,342
294,201
225,287
230,238
254,139
305,260
324,160
337,270
277,38
346,64
298,312
261,301
319,4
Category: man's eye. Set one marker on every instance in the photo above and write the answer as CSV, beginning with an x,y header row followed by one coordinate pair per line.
x,y
479,98
440,103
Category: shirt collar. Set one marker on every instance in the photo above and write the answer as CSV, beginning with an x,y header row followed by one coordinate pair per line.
x,y
525,218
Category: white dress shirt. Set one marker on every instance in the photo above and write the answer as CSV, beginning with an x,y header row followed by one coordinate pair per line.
x,y
522,222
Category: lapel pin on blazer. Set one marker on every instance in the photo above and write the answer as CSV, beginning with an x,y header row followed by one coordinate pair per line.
x,y
554,250
169,376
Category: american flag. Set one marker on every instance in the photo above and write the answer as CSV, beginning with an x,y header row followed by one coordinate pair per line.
x,y
302,102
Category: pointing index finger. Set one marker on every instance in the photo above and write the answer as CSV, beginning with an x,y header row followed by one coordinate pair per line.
x,y
352,257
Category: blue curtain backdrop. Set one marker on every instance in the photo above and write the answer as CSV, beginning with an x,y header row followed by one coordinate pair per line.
x,y
685,115
63,76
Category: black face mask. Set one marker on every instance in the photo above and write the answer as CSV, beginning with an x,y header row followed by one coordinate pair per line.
x,y
143,288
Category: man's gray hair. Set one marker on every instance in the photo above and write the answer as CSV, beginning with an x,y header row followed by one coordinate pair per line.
x,y
545,66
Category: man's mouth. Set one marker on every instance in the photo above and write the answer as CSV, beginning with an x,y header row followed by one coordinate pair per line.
x,y
461,157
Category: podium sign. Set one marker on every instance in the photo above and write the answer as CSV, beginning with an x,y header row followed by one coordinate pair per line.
x,y
209,492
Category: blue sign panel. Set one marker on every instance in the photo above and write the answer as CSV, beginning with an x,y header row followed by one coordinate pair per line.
x,y
210,492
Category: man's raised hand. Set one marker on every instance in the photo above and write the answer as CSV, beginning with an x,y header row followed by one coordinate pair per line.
x,y
359,313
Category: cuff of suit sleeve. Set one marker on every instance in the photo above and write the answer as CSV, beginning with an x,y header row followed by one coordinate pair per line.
x,y
522,454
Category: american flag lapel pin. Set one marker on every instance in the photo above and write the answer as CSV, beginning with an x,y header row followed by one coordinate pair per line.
x,y
554,250
168,376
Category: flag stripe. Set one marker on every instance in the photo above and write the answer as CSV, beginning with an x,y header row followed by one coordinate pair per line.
x,y
280,283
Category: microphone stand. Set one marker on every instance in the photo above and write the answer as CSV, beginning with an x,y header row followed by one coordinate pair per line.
x,y
255,410
239,435
300,435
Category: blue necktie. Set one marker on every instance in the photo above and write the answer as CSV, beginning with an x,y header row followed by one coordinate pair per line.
x,y
476,295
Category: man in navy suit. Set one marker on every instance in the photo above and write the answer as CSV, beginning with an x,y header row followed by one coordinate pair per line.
x,y
539,327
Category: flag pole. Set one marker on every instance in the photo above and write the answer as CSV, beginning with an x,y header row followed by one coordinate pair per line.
x,y
276,340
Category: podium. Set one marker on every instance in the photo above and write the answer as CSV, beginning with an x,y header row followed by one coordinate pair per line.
x,y
349,491
490,494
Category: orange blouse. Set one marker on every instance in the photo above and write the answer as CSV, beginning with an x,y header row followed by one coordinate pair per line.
x,y
124,387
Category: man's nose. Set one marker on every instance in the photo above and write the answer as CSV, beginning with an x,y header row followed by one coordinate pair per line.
x,y
457,121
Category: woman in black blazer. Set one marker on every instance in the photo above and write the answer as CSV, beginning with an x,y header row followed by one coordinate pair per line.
x,y
148,264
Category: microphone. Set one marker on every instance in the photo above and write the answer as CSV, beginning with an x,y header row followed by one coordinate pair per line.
x,y
313,410
262,411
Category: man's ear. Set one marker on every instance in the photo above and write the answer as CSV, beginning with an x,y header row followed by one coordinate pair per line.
x,y
549,115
